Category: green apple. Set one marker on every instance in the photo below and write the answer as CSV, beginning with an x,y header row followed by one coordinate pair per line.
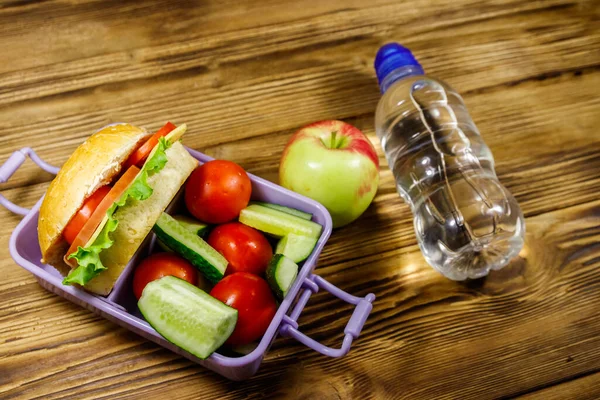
x,y
335,164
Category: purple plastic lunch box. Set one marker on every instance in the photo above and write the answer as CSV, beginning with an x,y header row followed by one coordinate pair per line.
x,y
120,305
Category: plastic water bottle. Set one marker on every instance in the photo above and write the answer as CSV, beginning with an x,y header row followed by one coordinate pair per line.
x,y
466,222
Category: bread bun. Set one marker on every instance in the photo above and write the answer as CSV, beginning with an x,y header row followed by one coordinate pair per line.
x,y
93,164
137,218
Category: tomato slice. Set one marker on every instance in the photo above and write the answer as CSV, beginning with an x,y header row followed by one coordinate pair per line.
x,y
78,221
86,232
143,152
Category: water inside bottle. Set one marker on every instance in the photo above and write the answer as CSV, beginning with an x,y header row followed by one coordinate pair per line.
x,y
466,222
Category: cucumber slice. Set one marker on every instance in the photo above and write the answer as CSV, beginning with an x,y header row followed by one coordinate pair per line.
x,y
278,223
191,247
187,316
176,133
289,210
295,247
281,273
199,228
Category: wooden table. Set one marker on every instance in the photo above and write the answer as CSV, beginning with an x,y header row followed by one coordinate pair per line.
x,y
244,77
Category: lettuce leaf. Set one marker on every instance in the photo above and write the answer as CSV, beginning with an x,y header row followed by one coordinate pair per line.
x,y
88,258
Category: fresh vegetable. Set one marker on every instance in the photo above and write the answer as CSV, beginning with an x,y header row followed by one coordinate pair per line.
x,y
141,154
256,306
162,264
296,247
278,223
83,215
88,257
335,164
187,316
281,274
245,248
91,225
199,228
217,191
190,246
289,210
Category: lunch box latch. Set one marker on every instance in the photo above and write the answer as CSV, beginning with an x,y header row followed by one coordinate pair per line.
x,y
361,312
12,165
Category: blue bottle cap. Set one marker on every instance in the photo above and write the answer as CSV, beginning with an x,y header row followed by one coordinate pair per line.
x,y
392,56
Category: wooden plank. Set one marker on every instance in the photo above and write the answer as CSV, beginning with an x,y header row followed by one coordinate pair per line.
x,y
244,76
584,388
313,76
142,53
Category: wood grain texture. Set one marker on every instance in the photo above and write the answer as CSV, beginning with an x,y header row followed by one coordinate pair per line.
x,y
244,76
582,388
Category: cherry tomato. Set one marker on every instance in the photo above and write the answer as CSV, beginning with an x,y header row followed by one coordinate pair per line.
x,y
245,248
256,306
78,221
159,265
217,191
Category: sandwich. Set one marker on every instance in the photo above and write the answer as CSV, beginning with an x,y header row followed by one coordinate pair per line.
x,y
105,200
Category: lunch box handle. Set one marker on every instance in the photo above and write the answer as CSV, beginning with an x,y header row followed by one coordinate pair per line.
x,y
311,285
12,165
